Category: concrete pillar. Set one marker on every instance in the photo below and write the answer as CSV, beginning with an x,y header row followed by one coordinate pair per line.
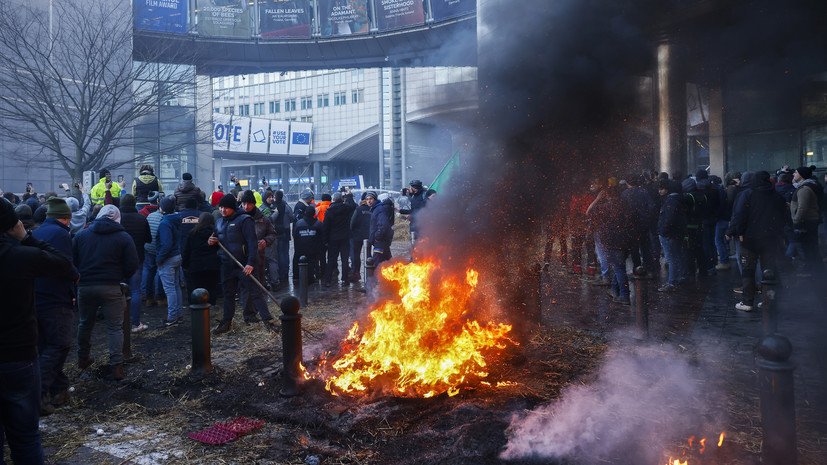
x,y
671,96
285,177
204,170
317,179
717,149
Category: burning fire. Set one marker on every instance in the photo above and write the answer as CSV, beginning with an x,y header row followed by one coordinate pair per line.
x,y
422,344
701,449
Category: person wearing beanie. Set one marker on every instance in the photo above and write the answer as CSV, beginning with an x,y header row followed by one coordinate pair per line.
x,y
185,190
168,258
99,190
282,219
215,197
23,258
152,205
105,256
805,215
381,229
337,236
418,200
151,286
237,233
252,298
307,238
306,198
55,301
24,213
144,184
137,227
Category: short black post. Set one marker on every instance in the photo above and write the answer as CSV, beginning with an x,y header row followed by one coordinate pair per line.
x,y
200,331
291,342
370,279
641,310
304,263
770,313
775,382
127,323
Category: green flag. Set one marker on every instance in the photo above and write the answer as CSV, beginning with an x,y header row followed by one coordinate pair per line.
x,y
444,176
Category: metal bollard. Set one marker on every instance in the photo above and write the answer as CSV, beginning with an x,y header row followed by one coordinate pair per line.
x,y
775,381
641,310
370,280
127,324
303,280
291,343
368,253
200,331
770,313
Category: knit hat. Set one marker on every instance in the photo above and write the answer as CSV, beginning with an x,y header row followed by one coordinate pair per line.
x,y
24,212
228,201
416,183
153,197
701,174
111,212
248,197
805,172
57,208
306,194
370,194
127,200
215,198
73,203
104,172
167,205
187,177
8,218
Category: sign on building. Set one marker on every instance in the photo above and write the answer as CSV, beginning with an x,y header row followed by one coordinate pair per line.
x,y
220,131
395,14
284,18
259,135
279,130
161,15
239,134
300,138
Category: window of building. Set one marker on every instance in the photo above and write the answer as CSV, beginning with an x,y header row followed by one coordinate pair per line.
x,y
290,105
358,96
217,110
229,110
275,107
307,103
339,98
244,110
323,100
258,108
357,75
322,80
307,119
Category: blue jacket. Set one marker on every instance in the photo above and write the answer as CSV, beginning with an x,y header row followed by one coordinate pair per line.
x,y
104,253
238,234
169,238
381,231
672,218
759,211
55,292
360,223
641,204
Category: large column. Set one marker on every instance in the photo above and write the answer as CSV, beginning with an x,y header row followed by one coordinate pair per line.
x,y
317,179
285,177
671,97
206,174
717,150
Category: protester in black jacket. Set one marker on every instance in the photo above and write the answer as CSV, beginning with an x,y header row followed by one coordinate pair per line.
x,y
201,258
308,234
672,231
337,234
22,259
360,230
137,227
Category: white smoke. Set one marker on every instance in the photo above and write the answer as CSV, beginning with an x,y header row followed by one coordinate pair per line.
x,y
641,400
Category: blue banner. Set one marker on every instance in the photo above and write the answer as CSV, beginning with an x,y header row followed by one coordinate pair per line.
x,y
161,15
343,17
284,18
445,9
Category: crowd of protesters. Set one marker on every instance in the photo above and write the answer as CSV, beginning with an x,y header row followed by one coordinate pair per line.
x,y
696,224
60,254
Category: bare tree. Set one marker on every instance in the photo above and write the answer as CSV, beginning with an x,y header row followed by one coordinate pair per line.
x,y
69,83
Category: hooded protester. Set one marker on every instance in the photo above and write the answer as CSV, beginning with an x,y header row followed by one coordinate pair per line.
x,y
696,208
308,234
185,190
360,230
805,215
22,259
381,229
105,256
282,218
144,185
98,193
672,231
252,297
168,259
337,233
137,226
306,200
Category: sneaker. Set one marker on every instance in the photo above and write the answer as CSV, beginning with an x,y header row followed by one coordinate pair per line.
x,y
139,328
667,288
622,300
738,290
222,328
743,307
722,266
167,323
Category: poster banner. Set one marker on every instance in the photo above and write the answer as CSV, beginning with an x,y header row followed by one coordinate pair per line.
x,y
300,138
343,17
284,18
223,18
220,131
444,9
354,183
161,15
278,137
259,132
239,134
395,14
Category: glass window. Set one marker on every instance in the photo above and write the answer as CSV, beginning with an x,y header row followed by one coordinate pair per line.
x,y
323,100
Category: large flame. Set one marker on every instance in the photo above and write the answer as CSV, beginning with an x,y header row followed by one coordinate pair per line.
x,y
421,344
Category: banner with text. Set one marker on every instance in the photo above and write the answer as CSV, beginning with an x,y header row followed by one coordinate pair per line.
x,y
354,183
444,9
395,14
223,18
239,134
259,132
300,138
161,15
278,137
343,17
220,131
284,18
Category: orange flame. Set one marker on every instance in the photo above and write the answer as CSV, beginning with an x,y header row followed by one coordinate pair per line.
x,y
702,444
422,344
721,439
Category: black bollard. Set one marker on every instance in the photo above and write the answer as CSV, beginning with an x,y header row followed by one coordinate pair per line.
x,y
200,331
770,313
291,343
303,280
775,381
127,324
370,280
641,310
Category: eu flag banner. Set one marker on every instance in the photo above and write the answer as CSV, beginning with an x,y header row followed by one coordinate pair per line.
x,y
300,137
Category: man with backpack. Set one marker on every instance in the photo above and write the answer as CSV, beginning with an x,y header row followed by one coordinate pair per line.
x,y
804,209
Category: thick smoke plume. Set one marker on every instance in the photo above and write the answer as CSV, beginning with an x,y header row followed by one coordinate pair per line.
x,y
641,402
